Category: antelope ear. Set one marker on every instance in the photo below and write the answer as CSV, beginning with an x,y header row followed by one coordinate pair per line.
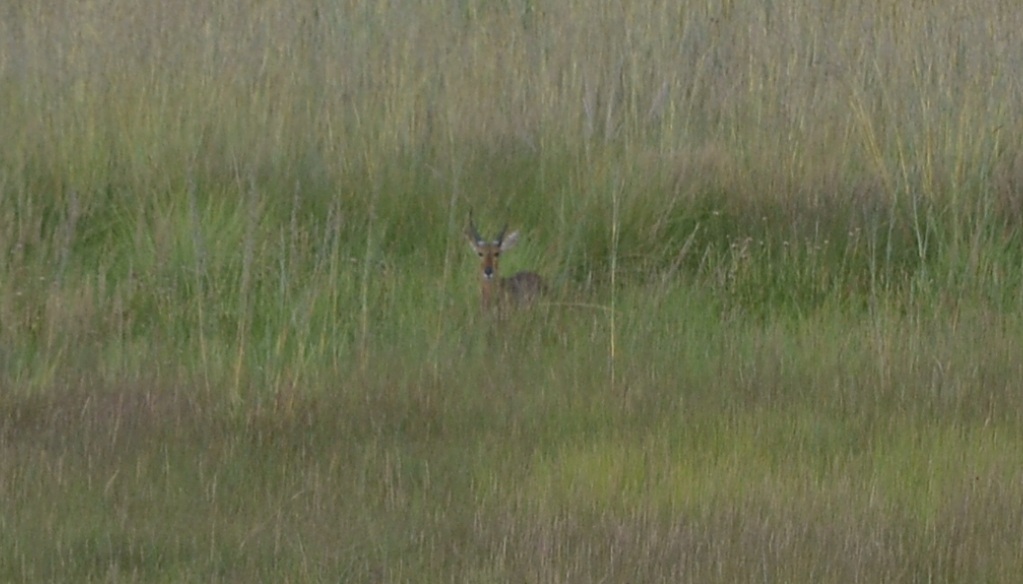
x,y
509,241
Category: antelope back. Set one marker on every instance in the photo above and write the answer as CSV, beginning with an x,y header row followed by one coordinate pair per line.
x,y
523,286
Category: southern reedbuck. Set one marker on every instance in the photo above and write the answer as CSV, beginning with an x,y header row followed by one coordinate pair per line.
x,y
522,288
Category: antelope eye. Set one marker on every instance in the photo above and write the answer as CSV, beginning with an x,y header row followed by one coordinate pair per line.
x,y
497,253
479,253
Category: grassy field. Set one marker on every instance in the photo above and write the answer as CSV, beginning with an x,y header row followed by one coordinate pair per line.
x,y
240,336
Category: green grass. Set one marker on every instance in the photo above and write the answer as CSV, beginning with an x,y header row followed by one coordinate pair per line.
x,y
240,336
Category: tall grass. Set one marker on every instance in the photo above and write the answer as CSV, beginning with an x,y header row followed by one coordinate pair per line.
x,y
240,338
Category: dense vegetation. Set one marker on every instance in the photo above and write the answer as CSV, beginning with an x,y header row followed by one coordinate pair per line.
x,y
240,336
